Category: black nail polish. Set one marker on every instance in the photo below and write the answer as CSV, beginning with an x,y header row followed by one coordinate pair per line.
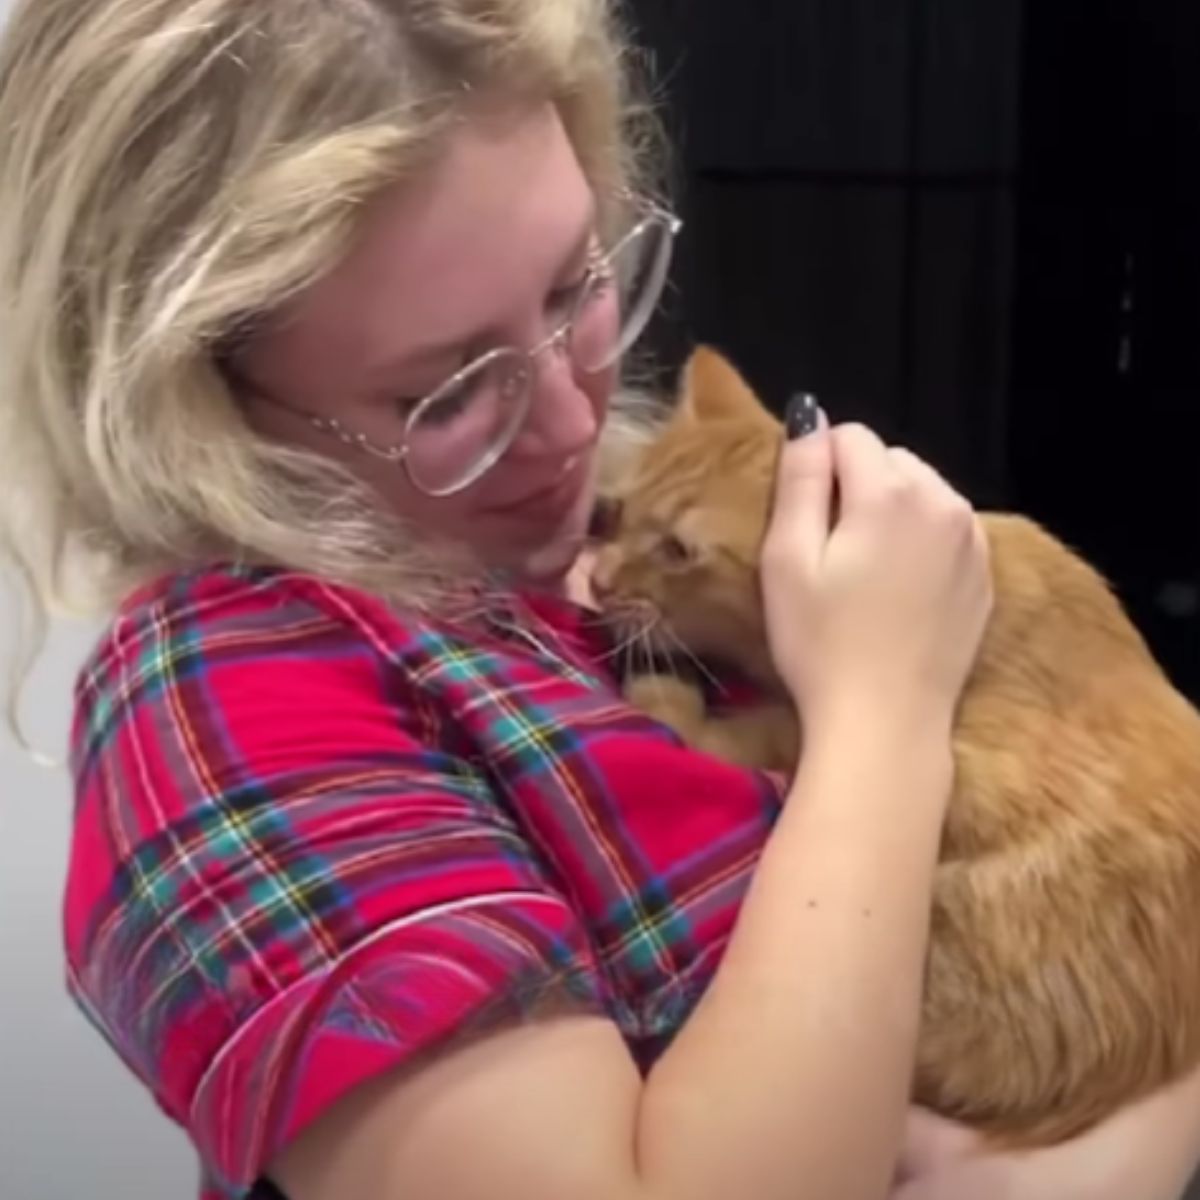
x,y
803,413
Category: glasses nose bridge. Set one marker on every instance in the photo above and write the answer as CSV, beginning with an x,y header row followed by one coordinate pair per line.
x,y
558,341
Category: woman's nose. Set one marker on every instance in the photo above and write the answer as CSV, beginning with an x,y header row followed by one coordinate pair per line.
x,y
603,574
601,587
562,416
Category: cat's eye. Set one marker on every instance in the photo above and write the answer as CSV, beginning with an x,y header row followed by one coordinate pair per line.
x,y
675,551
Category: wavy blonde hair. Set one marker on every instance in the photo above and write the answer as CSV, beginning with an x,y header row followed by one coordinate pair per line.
x,y
173,169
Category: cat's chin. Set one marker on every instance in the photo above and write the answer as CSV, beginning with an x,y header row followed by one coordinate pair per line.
x,y
738,647
644,635
738,656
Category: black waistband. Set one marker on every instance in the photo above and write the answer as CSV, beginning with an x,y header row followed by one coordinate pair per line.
x,y
264,1189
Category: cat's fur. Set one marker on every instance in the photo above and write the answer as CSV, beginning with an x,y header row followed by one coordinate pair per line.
x,y
1064,970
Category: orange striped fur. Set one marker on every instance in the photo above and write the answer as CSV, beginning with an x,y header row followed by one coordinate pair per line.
x,y
1064,970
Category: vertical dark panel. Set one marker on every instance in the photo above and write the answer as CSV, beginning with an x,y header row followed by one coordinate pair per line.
x,y
815,86
1106,366
964,137
845,168
809,278
975,225
958,327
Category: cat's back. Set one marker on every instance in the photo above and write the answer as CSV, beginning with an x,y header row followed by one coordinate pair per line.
x,y
1067,703
1063,980
1056,621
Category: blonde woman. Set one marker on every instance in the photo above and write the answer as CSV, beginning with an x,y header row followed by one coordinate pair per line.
x,y
313,311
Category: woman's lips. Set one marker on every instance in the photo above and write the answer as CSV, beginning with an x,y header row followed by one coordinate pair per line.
x,y
555,495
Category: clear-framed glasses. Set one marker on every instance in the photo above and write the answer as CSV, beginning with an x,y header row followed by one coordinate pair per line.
x,y
455,434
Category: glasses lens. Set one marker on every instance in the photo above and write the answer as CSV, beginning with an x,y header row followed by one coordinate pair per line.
x,y
614,312
464,427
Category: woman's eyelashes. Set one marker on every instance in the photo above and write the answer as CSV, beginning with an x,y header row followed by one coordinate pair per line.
x,y
562,300
561,303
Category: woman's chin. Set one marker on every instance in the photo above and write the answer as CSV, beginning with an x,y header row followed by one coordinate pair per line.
x,y
552,557
551,563
541,548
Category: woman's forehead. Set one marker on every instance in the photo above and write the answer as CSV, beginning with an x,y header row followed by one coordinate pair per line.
x,y
486,228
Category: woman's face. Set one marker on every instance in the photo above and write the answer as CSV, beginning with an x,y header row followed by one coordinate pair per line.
x,y
475,255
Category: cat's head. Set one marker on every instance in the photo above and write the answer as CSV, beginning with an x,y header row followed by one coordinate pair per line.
x,y
682,533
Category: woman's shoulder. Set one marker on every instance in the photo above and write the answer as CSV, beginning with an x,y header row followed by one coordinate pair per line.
x,y
286,876
224,590
238,652
248,614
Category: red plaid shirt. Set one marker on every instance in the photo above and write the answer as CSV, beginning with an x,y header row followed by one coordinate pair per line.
x,y
313,838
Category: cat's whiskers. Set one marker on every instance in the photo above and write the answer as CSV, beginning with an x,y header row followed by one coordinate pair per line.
x,y
677,642
637,648
649,637
623,646
646,644
633,619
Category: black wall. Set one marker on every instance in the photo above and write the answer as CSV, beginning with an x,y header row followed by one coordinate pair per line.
x,y
974,224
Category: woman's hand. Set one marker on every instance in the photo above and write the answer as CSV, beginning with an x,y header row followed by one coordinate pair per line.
x,y
1147,1151
888,600
938,1153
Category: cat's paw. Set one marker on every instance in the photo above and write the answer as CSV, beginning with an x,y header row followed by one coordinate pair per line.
x,y
668,699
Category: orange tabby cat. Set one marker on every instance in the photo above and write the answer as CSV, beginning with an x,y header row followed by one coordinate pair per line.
x,y
1064,969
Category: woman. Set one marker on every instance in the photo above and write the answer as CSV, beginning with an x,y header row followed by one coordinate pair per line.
x,y
314,316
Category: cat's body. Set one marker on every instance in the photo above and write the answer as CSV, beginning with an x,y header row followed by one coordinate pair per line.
x,y
1064,969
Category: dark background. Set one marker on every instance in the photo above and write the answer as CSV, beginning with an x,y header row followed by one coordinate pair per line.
x,y
974,224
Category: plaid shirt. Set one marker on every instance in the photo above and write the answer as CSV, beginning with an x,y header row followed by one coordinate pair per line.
x,y
313,838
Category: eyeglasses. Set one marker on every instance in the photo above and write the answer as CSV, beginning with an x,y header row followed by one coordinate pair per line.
x,y
458,432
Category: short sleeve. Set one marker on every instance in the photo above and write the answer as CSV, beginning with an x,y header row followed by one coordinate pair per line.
x,y
283,879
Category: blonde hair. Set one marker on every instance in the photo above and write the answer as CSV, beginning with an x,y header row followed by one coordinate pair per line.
x,y
173,169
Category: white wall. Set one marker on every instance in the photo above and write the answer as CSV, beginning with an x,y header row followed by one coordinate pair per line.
x,y
73,1124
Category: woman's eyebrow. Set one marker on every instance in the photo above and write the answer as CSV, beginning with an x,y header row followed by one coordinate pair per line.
x,y
432,353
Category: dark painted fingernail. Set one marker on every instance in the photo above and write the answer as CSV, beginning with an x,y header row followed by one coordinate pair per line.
x,y
803,415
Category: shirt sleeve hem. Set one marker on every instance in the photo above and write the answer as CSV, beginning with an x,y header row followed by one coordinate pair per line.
x,y
404,990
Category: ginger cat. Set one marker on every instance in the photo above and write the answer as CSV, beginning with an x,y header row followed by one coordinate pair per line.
x,y
1063,976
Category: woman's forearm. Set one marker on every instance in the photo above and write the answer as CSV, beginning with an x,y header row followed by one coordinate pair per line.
x,y
793,1075
1149,1150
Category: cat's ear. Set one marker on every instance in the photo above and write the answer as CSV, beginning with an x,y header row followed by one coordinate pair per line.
x,y
712,389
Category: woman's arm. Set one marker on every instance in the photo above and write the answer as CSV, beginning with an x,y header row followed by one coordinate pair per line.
x,y
791,1076
1149,1150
